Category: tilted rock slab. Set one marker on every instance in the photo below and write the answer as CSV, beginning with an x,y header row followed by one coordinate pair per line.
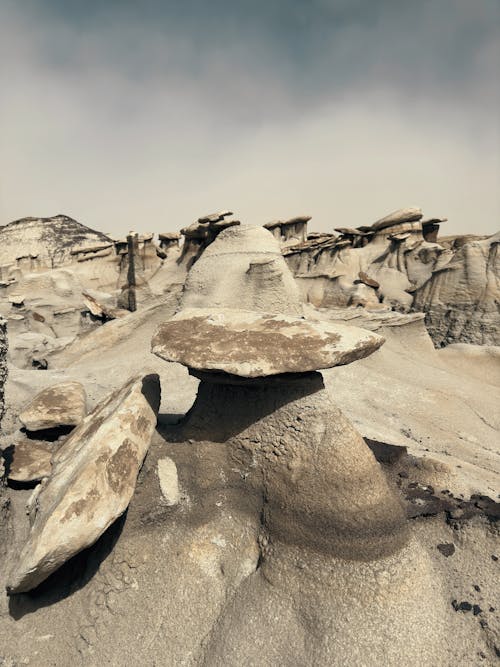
x,y
93,479
62,404
31,461
251,344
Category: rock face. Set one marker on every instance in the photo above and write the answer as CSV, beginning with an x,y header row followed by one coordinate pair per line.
x,y
461,302
93,478
243,269
398,262
251,344
3,364
46,239
62,404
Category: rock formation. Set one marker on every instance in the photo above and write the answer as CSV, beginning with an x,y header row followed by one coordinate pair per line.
x,y
399,263
202,233
59,405
262,528
3,364
93,478
461,300
327,513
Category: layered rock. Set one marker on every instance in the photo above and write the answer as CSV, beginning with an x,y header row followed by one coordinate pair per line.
x,y
397,262
92,481
45,241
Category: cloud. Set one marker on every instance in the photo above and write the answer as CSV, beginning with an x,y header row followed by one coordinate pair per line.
x,y
146,115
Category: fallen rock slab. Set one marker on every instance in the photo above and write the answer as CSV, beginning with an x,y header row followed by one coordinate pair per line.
x,y
30,462
93,479
62,404
252,344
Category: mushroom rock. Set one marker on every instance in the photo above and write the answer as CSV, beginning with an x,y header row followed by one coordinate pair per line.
x,y
92,481
199,235
337,567
289,232
400,216
61,404
430,228
243,268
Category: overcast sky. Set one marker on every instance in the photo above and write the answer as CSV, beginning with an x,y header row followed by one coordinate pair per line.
x,y
146,114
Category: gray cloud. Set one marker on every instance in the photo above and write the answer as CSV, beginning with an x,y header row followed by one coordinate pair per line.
x,y
146,115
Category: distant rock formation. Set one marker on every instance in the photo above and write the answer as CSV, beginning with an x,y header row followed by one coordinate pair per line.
x,y
461,300
398,263
45,241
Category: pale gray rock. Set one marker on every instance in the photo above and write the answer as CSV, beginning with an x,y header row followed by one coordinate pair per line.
x,y
252,344
412,214
227,275
93,479
169,480
461,298
62,404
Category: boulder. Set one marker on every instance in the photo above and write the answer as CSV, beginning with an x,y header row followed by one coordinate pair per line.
x,y
62,404
93,479
251,344
31,461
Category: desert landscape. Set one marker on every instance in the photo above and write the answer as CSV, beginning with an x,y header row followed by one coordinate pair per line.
x,y
249,444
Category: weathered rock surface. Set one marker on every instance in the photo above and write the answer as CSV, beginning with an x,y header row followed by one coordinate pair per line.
x,y
92,481
30,461
400,262
462,300
259,277
3,365
45,239
62,404
251,344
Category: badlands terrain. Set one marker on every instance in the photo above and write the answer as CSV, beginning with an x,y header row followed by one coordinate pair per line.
x,y
241,445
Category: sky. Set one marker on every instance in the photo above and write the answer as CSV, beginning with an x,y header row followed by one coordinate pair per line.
x,y
145,115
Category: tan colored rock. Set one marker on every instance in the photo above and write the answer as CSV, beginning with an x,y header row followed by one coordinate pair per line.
x,y
62,404
251,344
93,479
31,461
